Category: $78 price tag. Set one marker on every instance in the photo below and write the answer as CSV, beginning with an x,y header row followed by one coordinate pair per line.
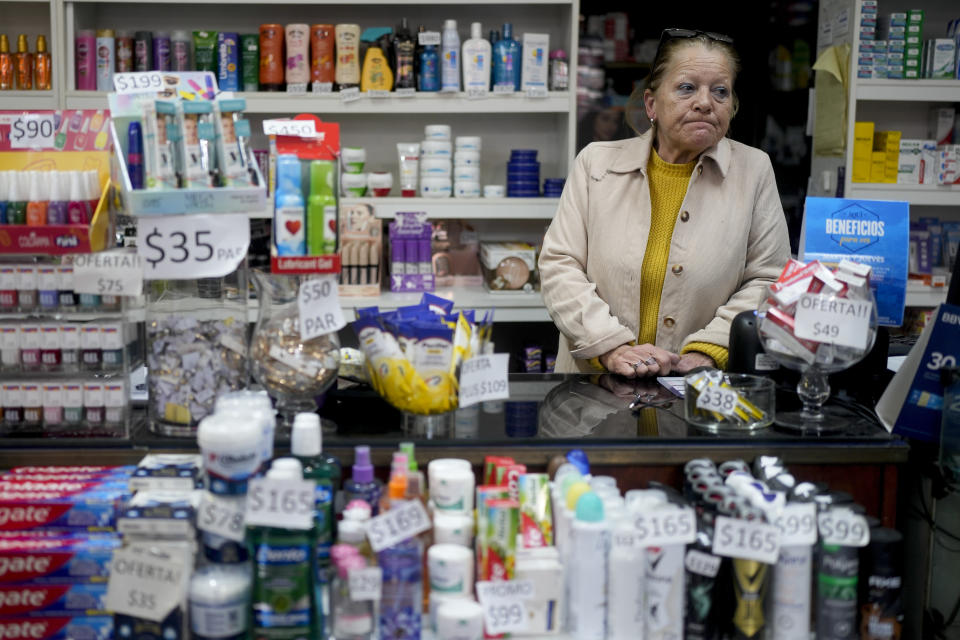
x,y
798,525
484,378
32,130
843,527
280,503
718,399
396,525
665,526
222,516
365,584
319,305
749,540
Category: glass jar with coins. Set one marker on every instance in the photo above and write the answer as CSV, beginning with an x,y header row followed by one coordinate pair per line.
x,y
294,371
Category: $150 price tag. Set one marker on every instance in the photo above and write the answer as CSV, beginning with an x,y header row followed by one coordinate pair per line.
x,y
32,130
718,399
116,273
484,378
504,610
833,320
748,540
138,82
365,584
280,503
319,306
192,246
301,128
396,525
222,516
798,525
665,526
844,528
148,582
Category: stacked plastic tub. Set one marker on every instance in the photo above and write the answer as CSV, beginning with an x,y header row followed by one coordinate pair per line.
x,y
523,174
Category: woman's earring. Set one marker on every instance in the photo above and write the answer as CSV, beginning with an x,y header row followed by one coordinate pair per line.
x,y
652,121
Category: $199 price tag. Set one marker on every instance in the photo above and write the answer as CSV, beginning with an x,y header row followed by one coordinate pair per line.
x,y
280,503
396,525
32,131
665,526
138,82
365,584
798,525
484,378
222,516
844,528
319,305
749,540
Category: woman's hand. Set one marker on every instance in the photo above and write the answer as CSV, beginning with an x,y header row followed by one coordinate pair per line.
x,y
692,360
639,361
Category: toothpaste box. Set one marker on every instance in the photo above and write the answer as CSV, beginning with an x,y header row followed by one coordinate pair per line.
x,y
57,628
90,511
52,470
943,53
167,472
52,599
160,514
56,560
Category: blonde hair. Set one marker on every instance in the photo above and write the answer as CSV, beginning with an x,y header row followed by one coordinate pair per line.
x,y
636,113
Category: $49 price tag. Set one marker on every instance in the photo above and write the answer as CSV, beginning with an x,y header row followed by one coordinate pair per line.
x,y
138,82
148,582
222,516
396,525
192,246
665,526
749,540
504,610
319,306
484,378
365,584
844,528
718,399
798,525
833,320
32,130
280,503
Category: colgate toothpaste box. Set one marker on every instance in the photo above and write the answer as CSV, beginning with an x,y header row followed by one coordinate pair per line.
x,y
52,599
57,628
71,487
69,506
87,470
56,560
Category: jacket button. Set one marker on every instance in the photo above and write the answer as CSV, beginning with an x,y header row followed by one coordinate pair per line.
x,y
669,322
677,269
700,170
684,216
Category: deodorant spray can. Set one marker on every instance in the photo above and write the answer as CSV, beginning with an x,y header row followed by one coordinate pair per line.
x,y
664,578
881,614
837,573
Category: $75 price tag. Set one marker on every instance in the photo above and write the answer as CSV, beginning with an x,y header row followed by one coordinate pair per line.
x,y
118,273
798,525
749,540
222,516
365,584
843,527
192,246
504,610
32,130
665,526
718,399
484,378
319,306
396,525
280,503
148,582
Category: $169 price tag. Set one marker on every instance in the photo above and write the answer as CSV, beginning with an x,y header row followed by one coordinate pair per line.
x,y
365,584
665,526
222,516
718,399
280,503
32,130
192,246
319,306
484,378
396,525
798,525
749,540
844,528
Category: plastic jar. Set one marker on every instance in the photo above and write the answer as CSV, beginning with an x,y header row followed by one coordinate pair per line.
x,y
468,158
354,184
435,168
380,183
467,173
220,601
466,189
354,159
468,143
436,149
437,132
436,188
493,191
232,451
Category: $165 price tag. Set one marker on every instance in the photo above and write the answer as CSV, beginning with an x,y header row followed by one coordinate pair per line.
x,y
222,516
365,584
32,130
844,528
484,378
396,525
319,306
749,540
280,503
665,526
798,525
717,398
192,246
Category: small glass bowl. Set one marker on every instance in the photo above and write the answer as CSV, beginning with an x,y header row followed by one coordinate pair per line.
x,y
753,409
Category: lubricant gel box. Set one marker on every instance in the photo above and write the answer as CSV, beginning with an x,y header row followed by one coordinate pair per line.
x,y
57,628
56,560
52,599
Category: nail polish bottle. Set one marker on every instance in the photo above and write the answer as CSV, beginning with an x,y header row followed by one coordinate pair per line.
x,y
29,347
47,288
59,198
93,409
8,288
32,404
52,405
38,198
12,405
77,208
72,402
10,347
27,287
91,355
115,396
50,347
69,347
89,301
111,345
67,298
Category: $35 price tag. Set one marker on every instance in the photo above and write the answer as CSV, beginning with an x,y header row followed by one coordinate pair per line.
x,y
718,399
365,584
32,130
148,582
192,246
844,528
396,525
280,503
222,516
484,378
319,306
798,525
665,526
749,540
504,610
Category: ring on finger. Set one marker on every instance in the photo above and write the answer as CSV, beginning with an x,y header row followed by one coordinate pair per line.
x,y
650,361
635,365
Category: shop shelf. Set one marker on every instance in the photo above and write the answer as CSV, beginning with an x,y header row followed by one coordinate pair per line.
x,y
333,2
909,90
932,195
921,295
28,100
464,208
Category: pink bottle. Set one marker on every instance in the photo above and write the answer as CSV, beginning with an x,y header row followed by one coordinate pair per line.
x,y
78,209
86,60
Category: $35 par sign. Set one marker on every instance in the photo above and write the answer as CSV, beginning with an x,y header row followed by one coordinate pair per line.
x,y
192,246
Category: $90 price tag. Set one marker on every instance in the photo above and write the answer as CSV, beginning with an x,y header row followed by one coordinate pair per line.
x,y
280,503
484,378
718,399
147,582
844,528
365,584
319,306
32,130
798,525
192,246
222,516
665,526
138,82
396,525
748,540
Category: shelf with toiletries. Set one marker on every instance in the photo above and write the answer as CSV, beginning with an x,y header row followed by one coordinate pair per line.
x,y
921,195
921,295
464,208
946,90
27,100
30,55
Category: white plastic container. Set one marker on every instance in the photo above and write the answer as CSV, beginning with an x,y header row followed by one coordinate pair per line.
x,y
353,159
625,584
467,158
232,451
436,168
450,57
451,569
469,143
452,528
436,187
493,191
354,184
466,189
452,485
545,610
380,183
436,149
476,61
590,544
467,173
437,132
460,620
220,601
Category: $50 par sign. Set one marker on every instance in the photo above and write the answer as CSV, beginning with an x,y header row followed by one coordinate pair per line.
x,y
192,246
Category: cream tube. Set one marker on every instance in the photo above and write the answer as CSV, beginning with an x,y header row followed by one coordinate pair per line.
x,y
347,72
233,132
298,56
409,153
196,158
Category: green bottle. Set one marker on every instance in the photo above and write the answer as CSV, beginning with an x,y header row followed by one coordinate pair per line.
x,y
321,209
17,198
284,563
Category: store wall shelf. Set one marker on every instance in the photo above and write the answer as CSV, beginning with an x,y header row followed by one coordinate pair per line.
x,y
329,2
920,295
930,195
31,100
909,90
464,208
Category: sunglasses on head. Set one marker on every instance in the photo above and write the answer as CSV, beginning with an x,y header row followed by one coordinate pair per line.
x,y
670,34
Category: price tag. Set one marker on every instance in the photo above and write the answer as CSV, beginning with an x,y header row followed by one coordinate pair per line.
x,y
477,93
280,127
623,539
833,320
138,82
536,92
798,525
378,93
665,526
408,92
222,516
504,610
148,581
192,246
843,527
365,584
349,94
32,130
717,398
484,378
319,305
702,564
115,273
321,87
396,525
429,37
504,88
280,503
297,87
749,540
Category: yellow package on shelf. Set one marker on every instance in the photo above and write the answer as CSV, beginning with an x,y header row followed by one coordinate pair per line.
x,y
862,151
878,166
887,142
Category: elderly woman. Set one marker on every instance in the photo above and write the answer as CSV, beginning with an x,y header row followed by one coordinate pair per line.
x,y
662,239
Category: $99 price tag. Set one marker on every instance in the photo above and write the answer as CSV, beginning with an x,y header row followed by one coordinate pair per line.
x,y
365,584
718,399
280,503
504,610
748,540
32,130
319,305
396,525
665,526
222,516
798,525
844,528
484,378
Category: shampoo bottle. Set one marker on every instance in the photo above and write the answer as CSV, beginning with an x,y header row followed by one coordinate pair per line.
x,y
404,52
289,215
321,210
450,57
506,60
376,75
429,78
476,60
6,64
348,55
298,58
23,63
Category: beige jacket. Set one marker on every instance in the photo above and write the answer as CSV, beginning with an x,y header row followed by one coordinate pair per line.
x,y
729,242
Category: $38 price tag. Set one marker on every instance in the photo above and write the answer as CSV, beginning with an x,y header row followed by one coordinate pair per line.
x,y
844,528
396,525
365,584
192,246
148,582
280,503
833,320
718,399
222,516
484,378
301,128
138,82
116,273
665,526
798,525
32,130
748,540
319,306
504,610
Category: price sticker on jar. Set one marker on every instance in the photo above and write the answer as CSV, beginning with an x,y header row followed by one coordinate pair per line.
x,y
484,378
319,306
718,399
32,131
396,525
843,527
222,516
280,503
833,320
192,246
746,539
798,525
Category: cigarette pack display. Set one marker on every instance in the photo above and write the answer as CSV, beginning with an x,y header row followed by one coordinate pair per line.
x,y
55,560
